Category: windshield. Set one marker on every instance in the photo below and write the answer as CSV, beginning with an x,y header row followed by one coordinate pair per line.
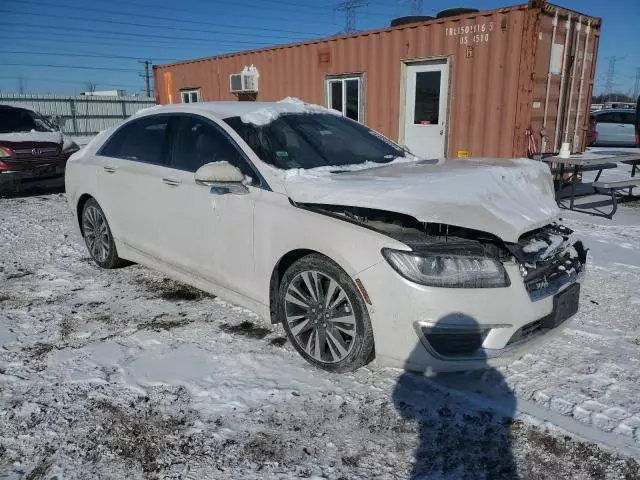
x,y
13,120
304,140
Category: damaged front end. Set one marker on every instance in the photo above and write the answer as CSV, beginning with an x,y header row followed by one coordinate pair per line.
x,y
548,258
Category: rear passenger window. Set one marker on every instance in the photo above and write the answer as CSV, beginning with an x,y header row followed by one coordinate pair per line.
x,y
141,140
611,117
198,142
629,117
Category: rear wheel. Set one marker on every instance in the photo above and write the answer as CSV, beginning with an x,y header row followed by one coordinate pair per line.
x,y
98,237
324,316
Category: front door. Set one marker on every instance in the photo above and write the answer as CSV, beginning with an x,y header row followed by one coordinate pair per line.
x,y
200,229
425,122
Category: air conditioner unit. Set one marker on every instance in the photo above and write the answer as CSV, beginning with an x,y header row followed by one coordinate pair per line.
x,y
245,81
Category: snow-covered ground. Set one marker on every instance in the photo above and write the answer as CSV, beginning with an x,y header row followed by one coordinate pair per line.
x,y
126,374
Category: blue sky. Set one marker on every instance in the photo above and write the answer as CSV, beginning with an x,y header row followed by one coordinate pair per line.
x,y
77,40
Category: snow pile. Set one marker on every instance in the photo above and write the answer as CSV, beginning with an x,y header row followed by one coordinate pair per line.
x,y
126,374
504,197
267,114
32,136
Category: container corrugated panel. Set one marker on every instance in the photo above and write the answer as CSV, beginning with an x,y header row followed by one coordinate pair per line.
x,y
496,61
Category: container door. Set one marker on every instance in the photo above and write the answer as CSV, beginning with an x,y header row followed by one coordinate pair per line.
x,y
425,123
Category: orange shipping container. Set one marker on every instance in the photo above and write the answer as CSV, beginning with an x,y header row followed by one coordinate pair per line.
x,y
506,82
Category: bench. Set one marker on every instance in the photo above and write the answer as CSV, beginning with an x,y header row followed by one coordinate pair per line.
x,y
610,188
586,168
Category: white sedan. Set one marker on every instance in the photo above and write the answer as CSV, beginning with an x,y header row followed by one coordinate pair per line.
x,y
356,247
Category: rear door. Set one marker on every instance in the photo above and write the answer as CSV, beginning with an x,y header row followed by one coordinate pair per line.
x,y
610,129
130,180
629,128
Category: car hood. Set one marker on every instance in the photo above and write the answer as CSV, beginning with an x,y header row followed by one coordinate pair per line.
x,y
31,137
503,197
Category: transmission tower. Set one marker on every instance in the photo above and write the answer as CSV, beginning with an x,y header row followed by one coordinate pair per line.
x,y
349,7
636,87
416,7
610,76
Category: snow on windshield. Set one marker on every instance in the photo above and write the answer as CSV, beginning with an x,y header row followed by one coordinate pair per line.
x,y
266,115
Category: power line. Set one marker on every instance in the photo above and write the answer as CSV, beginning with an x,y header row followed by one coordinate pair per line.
x,y
66,38
171,19
111,34
75,82
350,7
79,67
134,24
80,54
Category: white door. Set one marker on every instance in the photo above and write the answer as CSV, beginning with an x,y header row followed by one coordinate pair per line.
x,y
130,179
425,122
204,230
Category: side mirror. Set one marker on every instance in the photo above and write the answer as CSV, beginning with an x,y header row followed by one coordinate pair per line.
x,y
223,177
57,121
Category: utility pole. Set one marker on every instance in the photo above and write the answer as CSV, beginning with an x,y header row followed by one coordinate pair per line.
x,y
416,7
146,75
21,84
349,7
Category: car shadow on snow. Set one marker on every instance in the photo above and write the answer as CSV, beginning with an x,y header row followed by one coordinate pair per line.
x,y
458,438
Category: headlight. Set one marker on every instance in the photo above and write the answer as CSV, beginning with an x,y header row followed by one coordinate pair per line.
x,y
5,152
437,269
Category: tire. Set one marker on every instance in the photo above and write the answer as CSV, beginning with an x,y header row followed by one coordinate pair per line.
x,y
324,315
98,237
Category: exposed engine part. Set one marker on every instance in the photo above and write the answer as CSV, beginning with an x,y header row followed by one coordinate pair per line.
x,y
418,235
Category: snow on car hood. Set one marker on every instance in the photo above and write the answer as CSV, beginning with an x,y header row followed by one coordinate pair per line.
x,y
503,197
32,136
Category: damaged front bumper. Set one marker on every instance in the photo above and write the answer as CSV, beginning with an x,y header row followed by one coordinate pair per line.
x,y
434,329
44,176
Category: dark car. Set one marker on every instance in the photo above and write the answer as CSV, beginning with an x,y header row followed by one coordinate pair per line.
x,y
32,149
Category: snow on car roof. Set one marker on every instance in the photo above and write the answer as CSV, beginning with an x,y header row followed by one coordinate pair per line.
x,y
258,113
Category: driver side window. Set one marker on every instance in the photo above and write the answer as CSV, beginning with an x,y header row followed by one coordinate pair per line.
x,y
198,142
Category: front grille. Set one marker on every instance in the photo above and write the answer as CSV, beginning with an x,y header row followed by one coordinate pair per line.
x,y
451,344
36,152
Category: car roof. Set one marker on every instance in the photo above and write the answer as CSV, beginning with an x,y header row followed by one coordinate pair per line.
x,y
614,110
233,109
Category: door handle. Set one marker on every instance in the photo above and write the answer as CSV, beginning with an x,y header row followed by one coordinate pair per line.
x,y
109,169
171,182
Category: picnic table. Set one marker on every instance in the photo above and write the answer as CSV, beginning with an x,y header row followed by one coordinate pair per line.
x,y
595,160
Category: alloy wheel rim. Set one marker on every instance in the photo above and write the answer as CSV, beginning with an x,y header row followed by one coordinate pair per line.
x,y
320,316
96,233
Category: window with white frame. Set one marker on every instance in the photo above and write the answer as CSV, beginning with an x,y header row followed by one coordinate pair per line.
x,y
190,96
344,94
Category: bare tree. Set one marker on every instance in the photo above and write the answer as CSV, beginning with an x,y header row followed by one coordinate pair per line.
x,y
90,86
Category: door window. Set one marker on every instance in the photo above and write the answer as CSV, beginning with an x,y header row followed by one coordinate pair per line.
x,y
629,118
141,140
199,142
427,98
345,96
610,117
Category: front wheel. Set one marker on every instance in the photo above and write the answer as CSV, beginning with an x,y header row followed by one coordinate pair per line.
x,y
98,237
324,316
